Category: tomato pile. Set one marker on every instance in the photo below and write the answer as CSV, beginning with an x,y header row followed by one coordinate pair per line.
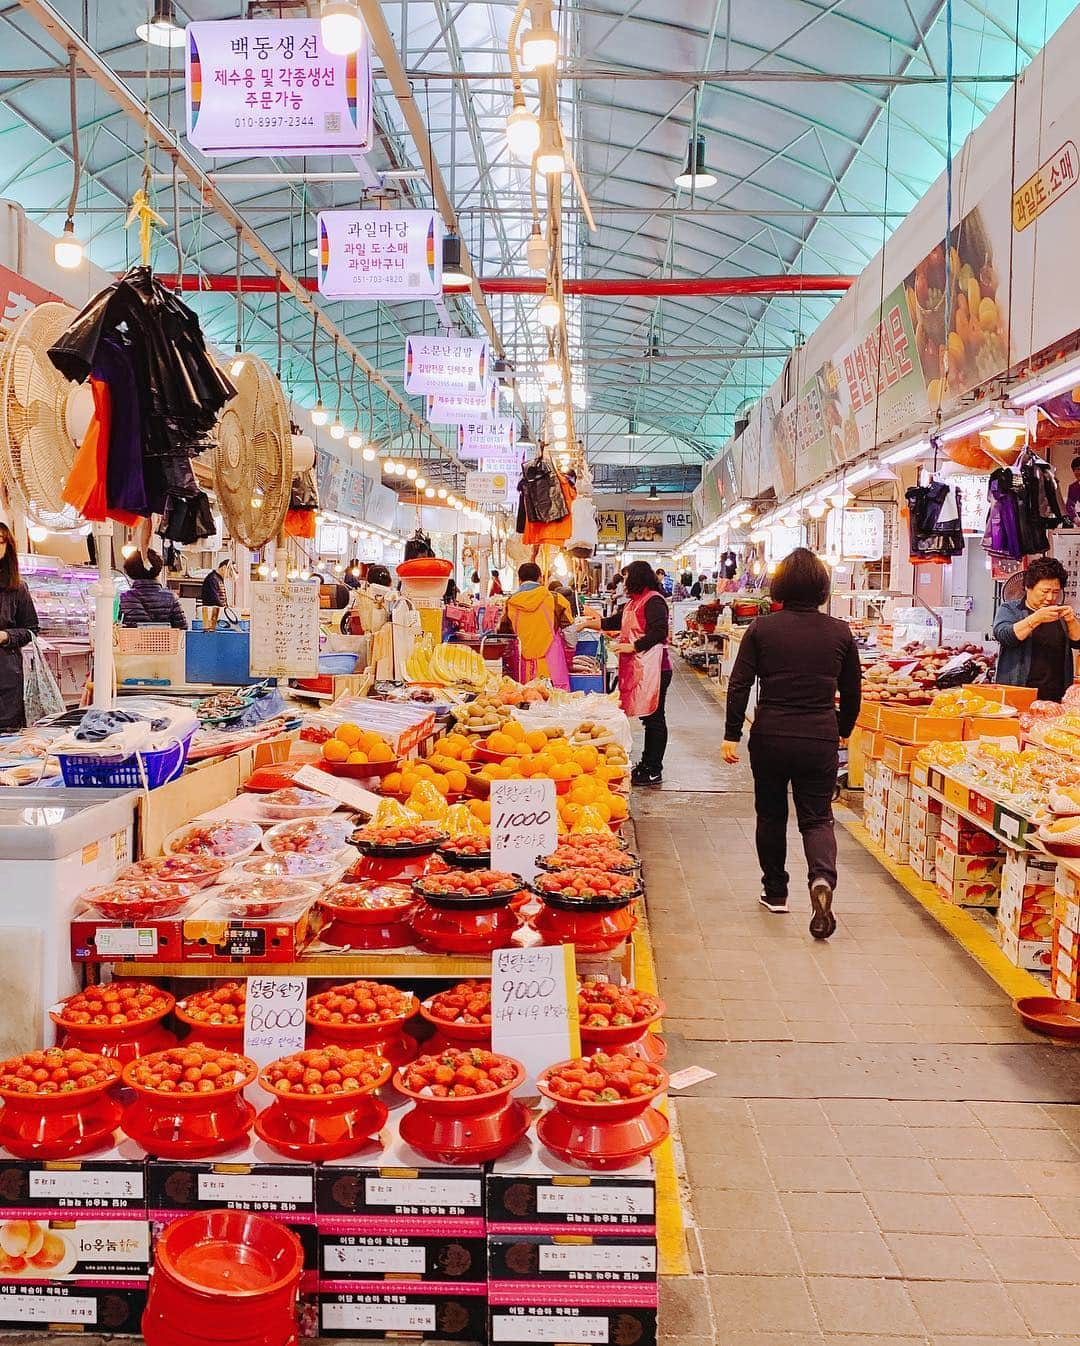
x,y
199,870
360,1002
470,883
402,834
586,883
572,856
467,845
327,1070
139,900
602,1005
602,1078
192,1069
309,836
56,1070
459,1074
221,840
469,1002
220,1005
115,1004
369,895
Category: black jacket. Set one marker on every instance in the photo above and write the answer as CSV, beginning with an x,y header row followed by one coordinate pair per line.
x,y
801,658
213,593
656,624
147,603
18,617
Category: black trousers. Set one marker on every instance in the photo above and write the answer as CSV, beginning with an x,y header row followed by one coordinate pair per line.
x,y
809,766
655,726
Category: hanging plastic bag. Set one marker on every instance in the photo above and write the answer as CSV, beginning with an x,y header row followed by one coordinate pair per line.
x,y
544,496
583,533
304,494
41,692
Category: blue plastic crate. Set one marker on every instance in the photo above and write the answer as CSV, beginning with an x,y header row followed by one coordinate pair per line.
x,y
149,769
337,663
586,682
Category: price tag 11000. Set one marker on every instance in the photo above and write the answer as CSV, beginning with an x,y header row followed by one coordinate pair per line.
x,y
524,824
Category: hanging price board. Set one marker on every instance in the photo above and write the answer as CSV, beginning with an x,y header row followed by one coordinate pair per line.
x,y
524,824
486,488
476,439
380,254
269,86
534,1009
438,364
453,408
284,631
275,1021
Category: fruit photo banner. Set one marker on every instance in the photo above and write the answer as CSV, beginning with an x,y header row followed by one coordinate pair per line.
x,y
269,86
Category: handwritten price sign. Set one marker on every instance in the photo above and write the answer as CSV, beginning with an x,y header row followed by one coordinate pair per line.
x,y
274,1017
534,1012
524,824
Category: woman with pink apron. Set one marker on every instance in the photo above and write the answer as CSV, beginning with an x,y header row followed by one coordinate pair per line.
x,y
644,665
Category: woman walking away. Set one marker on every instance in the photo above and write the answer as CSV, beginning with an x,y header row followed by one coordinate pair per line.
x,y
800,657
644,664
18,623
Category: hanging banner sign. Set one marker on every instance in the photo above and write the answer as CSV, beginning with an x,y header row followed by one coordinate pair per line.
x,y
456,408
610,525
380,254
269,86
487,488
476,439
855,534
438,364
677,524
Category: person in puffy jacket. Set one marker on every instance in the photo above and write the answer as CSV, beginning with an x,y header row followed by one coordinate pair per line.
x,y
18,625
147,603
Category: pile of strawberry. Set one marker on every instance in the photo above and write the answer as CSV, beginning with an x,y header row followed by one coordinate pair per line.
x,y
309,836
57,1070
369,895
602,1005
469,1002
602,1078
326,1070
192,1069
572,856
467,845
217,840
119,1004
221,1005
470,883
200,869
402,834
360,1002
459,1074
587,883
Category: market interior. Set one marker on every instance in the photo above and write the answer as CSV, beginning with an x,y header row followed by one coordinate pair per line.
x,y
461,467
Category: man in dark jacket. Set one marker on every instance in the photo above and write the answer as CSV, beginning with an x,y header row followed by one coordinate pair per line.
x,y
214,596
146,603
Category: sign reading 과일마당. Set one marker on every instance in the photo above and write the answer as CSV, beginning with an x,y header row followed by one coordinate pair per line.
x,y
380,254
269,86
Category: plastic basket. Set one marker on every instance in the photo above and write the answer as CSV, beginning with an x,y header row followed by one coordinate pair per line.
x,y
337,663
148,640
142,769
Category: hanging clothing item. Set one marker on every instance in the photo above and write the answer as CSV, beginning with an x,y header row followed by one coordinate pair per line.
x,y
187,518
544,495
934,532
125,484
1042,507
1002,535
86,487
418,545
554,531
729,565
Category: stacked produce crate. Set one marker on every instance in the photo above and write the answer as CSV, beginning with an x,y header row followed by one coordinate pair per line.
x,y
1026,910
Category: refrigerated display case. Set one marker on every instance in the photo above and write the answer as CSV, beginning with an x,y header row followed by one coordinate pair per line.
x,y
64,598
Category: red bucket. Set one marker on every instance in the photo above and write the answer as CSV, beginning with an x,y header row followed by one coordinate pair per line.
x,y
224,1276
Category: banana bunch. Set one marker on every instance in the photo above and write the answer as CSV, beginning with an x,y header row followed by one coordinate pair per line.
x,y
445,665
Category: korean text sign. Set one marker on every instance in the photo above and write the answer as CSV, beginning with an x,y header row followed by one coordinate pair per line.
x,y
274,1017
524,824
269,86
380,254
478,439
447,364
454,408
534,1012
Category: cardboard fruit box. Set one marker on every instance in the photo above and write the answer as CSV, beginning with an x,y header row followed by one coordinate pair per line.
x,y
910,724
1020,698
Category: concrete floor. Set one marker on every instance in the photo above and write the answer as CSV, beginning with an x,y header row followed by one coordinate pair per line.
x,y
885,1154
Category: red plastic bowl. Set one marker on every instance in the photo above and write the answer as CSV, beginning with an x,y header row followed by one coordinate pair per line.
x,y
634,1039
139,899
602,1135
387,1036
188,1126
613,1111
465,931
228,1037
451,1034
59,1126
464,1130
318,1127
198,870
588,931
121,1042
342,903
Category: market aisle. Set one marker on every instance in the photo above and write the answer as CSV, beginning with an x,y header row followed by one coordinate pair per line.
x,y
885,1153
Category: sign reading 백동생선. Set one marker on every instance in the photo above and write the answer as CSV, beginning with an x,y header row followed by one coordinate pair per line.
x,y
269,86
380,254
447,364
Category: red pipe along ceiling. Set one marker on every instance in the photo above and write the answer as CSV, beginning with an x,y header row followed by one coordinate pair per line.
x,y
717,288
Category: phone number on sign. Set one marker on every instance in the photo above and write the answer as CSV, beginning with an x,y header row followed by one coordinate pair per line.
x,y
272,123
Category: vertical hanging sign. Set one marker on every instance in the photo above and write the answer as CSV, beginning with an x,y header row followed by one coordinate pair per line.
x,y
269,86
478,439
380,254
438,364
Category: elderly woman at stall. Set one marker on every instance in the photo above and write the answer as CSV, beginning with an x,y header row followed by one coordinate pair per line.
x,y
1038,633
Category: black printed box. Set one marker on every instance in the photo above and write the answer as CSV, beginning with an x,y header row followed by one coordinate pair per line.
x,y
535,1193
110,1187
600,1324
402,1186
571,1258
369,1253
280,1190
73,1308
424,1311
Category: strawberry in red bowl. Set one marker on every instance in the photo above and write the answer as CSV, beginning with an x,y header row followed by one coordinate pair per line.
x,y
463,1111
466,910
56,1103
603,1116
364,1014
461,1015
121,1020
589,908
619,1017
215,1016
322,1106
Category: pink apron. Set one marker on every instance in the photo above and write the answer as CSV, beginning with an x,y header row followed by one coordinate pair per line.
x,y
558,670
639,674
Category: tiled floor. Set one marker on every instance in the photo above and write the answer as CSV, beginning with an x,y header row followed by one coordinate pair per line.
x,y
885,1155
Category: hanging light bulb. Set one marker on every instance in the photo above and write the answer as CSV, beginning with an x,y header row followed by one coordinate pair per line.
x,y
410,472
454,275
319,414
536,250
522,130
552,371
274,573
356,440
67,249
341,27
550,156
695,174
262,570
817,510
305,574
441,492
451,500
421,482
337,431
429,492
549,310
128,550
388,466
540,46
368,455
458,505
162,29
